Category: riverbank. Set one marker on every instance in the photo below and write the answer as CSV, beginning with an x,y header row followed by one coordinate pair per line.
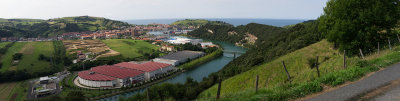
x,y
201,60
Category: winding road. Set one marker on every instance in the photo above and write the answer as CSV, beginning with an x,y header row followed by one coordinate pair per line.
x,y
373,82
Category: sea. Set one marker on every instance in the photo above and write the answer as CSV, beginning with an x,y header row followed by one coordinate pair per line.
x,y
233,21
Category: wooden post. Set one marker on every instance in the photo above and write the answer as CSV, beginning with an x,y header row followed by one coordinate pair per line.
x,y
344,60
161,96
389,44
148,97
256,83
316,64
287,73
398,37
362,55
234,55
219,89
378,48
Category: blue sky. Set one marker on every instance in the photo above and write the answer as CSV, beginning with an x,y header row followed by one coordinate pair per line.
x,y
161,9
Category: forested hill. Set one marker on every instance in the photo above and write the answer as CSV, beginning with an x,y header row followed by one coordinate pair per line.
x,y
197,22
265,42
53,27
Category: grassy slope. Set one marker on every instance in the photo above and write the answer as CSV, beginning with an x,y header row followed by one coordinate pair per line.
x,y
130,48
272,73
3,44
7,57
30,60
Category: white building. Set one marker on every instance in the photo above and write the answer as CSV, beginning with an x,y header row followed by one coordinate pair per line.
x,y
179,58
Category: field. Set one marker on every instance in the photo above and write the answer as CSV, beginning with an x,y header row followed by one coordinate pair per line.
x,y
6,89
130,48
6,59
30,60
94,46
272,74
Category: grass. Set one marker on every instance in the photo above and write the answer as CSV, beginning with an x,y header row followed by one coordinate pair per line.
x,y
6,89
274,87
272,74
3,44
7,57
201,60
20,90
30,60
130,48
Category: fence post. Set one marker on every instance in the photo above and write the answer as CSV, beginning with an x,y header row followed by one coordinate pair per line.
x,y
317,64
219,89
398,37
287,73
148,97
344,60
161,96
389,44
256,83
378,48
362,55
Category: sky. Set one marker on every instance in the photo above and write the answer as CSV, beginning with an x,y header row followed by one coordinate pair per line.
x,y
163,9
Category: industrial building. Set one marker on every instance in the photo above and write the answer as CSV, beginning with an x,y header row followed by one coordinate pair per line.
x,y
180,57
109,76
150,69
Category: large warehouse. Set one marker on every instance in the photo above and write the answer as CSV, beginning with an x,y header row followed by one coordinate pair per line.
x,y
150,69
180,57
109,76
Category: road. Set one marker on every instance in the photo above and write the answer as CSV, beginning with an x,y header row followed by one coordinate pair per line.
x,y
352,91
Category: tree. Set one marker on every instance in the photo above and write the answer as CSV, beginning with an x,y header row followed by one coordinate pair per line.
x,y
17,56
359,24
75,96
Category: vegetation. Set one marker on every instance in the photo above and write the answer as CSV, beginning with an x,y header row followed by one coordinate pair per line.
x,y
202,60
286,91
131,48
7,57
53,27
354,24
195,22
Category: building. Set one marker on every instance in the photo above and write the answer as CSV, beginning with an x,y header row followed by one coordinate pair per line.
x,y
150,69
109,76
180,57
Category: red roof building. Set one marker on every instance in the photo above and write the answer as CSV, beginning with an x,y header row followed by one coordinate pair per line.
x,y
90,75
116,72
146,67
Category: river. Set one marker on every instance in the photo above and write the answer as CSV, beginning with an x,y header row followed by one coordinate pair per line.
x,y
197,73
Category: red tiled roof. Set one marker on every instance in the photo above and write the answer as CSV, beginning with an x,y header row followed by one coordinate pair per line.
x,y
94,76
116,72
147,67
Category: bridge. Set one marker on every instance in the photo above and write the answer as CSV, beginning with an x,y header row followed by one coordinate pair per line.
x,y
234,53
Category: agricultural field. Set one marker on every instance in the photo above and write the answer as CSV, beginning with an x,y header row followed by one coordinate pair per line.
x,y
6,89
30,60
13,91
130,48
7,58
96,47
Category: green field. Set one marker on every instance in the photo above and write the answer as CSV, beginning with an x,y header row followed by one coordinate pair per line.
x,y
130,48
2,44
6,59
30,60
272,74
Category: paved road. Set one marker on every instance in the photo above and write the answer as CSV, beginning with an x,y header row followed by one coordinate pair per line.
x,y
391,95
349,92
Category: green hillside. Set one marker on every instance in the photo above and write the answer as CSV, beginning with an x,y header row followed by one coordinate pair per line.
x,y
53,27
272,74
130,48
196,22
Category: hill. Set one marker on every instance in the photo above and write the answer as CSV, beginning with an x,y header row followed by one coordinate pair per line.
x,y
272,74
131,48
196,22
53,27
